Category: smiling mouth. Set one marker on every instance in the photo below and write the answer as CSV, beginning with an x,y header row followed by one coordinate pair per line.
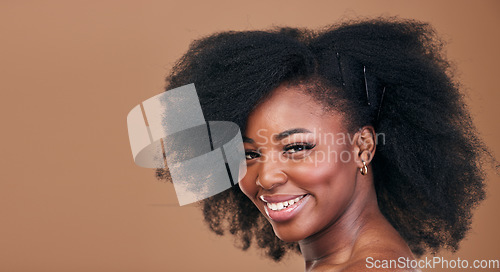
x,y
278,206
282,208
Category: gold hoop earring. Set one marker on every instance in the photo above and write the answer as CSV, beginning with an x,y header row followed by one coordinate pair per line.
x,y
364,169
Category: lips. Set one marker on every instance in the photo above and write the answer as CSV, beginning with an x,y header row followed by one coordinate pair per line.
x,y
278,198
282,208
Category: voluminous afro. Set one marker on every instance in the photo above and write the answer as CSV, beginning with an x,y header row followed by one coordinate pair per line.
x,y
427,174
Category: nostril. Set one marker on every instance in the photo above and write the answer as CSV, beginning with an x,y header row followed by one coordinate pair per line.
x,y
271,180
261,185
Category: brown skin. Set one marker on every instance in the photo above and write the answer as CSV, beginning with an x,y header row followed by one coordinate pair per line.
x,y
339,223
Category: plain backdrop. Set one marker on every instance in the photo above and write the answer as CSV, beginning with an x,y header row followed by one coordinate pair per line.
x,y
71,197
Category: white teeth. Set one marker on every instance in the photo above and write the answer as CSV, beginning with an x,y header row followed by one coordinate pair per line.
x,y
282,205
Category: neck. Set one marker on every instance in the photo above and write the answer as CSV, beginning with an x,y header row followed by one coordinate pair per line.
x,y
336,243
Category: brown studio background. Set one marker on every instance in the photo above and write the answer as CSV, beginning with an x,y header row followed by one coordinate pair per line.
x,y
71,198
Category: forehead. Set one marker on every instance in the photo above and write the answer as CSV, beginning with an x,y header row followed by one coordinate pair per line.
x,y
291,107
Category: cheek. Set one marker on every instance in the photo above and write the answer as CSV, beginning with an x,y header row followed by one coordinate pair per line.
x,y
323,172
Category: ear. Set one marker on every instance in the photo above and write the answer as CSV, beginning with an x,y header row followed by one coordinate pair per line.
x,y
364,145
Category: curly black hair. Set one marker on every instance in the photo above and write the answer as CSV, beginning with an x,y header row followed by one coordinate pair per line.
x,y
428,175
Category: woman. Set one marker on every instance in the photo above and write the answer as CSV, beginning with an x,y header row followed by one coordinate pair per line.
x,y
358,143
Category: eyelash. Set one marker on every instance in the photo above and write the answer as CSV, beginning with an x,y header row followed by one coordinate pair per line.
x,y
304,146
251,154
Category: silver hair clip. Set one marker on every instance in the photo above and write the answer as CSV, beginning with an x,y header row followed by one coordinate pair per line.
x,y
376,105
380,104
373,102
340,70
366,86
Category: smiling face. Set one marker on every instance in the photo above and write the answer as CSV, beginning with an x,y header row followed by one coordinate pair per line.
x,y
301,166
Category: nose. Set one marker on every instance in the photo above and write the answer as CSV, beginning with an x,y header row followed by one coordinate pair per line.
x,y
271,174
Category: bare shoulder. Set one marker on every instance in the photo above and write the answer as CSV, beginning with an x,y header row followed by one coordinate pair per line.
x,y
380,248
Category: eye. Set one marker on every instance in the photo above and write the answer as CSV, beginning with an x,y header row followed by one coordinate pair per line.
x,y
251,154
297,147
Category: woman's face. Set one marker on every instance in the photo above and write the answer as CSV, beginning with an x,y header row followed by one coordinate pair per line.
x,y
301,166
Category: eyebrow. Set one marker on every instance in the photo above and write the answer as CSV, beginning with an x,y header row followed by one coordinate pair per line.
x,y
289,132
281,135
248,140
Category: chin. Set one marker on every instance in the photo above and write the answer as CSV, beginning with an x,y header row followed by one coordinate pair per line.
x,y
288,234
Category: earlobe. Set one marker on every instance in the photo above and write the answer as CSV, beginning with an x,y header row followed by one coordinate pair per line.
x,y
365,146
